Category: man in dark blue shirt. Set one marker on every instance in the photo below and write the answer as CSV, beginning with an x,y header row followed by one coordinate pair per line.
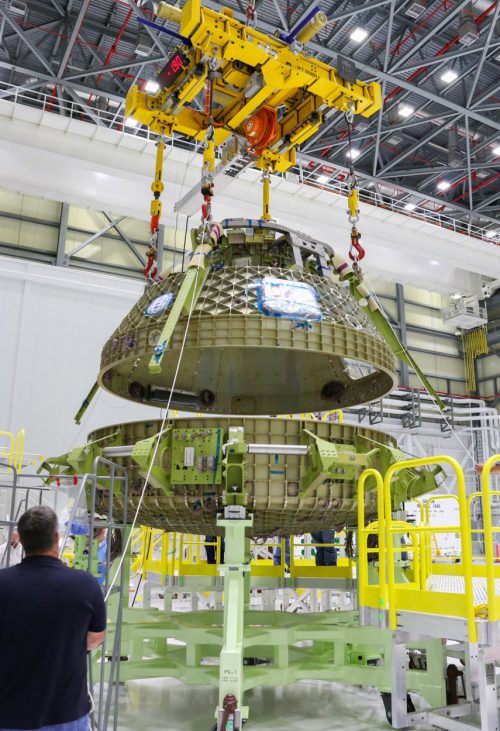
x,y
50,616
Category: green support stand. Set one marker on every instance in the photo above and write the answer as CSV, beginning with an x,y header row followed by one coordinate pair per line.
x,y
236,573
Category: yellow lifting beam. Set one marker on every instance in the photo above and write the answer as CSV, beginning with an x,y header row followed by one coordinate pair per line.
x,y
258,76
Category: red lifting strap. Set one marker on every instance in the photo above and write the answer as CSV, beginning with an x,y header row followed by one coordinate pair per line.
x,y
155,224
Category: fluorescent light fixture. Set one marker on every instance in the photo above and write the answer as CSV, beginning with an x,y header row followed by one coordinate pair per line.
x,y
449,76
131,122
358,35
443,185
434,262
322,179
152,86
410,206
405,110
496,151
491,233
353,154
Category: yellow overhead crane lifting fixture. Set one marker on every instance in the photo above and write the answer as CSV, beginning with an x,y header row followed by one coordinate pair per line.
x,y
265,89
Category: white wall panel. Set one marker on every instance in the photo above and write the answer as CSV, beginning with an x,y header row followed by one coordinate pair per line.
x,y
112,171
53,323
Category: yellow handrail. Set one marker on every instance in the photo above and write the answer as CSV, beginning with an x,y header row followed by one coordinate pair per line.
x,y
13,452
464,530
428,536
363,539
488,536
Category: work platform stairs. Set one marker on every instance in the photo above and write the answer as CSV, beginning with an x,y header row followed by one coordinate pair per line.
x,y
429,595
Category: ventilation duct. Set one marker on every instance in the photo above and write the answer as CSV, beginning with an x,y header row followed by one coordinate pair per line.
x,y
416,8
144,43
454,157
468,32
18,7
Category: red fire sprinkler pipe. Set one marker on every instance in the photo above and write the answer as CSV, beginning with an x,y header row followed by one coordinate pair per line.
x,y
113,48
445,48
61,71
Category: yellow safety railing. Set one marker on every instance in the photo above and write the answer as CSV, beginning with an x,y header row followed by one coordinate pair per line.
x,y
413,595
419,599
307,567
363,550
427,563
489,532
147,543
12,453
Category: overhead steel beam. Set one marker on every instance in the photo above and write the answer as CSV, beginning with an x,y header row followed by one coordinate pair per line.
x,y
361,9
388,42
72,39
330,41
149,31
52,79
280,14
484,54
463,74
34,50
484,204
485,95
63,235
397,186
31,29
58,7
413,172
417,145
84,106
385,132
94,237
430,34
380,75
125,239
96,71
469,166
445,58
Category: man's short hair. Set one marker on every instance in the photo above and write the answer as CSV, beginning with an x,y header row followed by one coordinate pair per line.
x,y
37,529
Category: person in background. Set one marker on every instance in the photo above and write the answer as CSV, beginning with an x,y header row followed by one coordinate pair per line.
x,y
211,551
50,617
16,551
101,535
495,470
325,555
277,554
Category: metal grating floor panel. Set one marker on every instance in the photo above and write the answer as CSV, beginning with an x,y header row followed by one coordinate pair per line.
x,y
456,585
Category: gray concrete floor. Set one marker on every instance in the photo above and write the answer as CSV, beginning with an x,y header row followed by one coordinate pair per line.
x,y
167,705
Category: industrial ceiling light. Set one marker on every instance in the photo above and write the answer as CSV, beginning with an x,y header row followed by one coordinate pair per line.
x,y
443,185
353,154
152,86
449,76
358,35
322,179
410,206
405,110
131,122
491,234
496,151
